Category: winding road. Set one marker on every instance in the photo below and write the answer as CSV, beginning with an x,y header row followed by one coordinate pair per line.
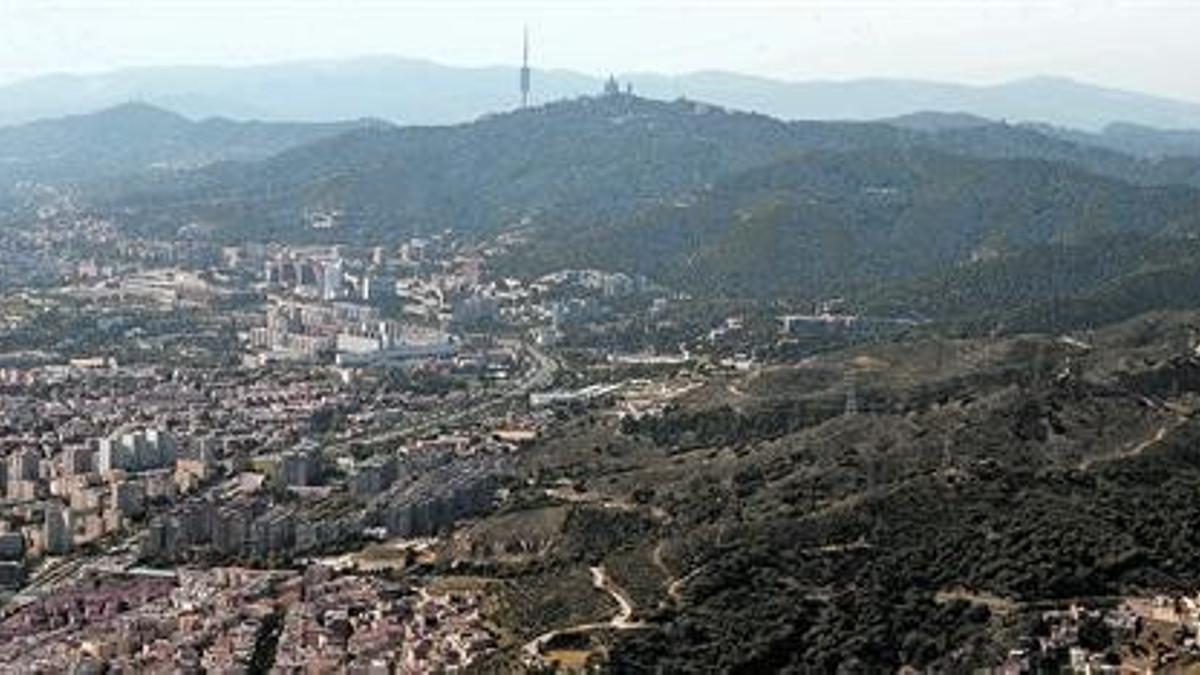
x,y
623,620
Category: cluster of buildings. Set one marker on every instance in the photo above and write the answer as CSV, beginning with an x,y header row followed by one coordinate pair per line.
x,y
66,242
834,317
88,492
216,461
368,624
332,273
108,620
131,452
380,497
168,288
346,332
418,301
318,276
324,303
87,452
1137,634
226,620
607,284
91,447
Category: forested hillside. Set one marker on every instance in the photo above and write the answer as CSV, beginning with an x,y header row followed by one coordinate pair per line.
x,y
582,163
823,223
135,138
1013,220
981,483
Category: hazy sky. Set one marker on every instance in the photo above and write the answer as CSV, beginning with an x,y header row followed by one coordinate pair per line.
x,y
1150,45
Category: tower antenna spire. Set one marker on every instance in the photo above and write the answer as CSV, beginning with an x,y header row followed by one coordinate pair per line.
x,y
525,78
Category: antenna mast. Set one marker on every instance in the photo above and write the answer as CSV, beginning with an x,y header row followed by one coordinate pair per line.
x,y
525,79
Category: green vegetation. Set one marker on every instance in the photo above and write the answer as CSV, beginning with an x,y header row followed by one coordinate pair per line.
x,y
136,138
573,164
983,480
825,224
266,642
984,225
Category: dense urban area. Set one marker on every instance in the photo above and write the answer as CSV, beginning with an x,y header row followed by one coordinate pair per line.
x,y
605,385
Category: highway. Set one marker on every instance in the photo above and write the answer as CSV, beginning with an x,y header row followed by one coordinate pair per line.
x,y
541,375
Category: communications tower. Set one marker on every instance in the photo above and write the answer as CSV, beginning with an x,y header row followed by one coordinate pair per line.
x,y
525,79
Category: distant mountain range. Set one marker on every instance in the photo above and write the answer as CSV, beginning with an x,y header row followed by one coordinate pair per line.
x,y
135,138
589,160
711,201
129,144
717,202
420,92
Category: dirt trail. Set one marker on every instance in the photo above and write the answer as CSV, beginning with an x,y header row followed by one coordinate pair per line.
x,y
1140,447
674,584
623,620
